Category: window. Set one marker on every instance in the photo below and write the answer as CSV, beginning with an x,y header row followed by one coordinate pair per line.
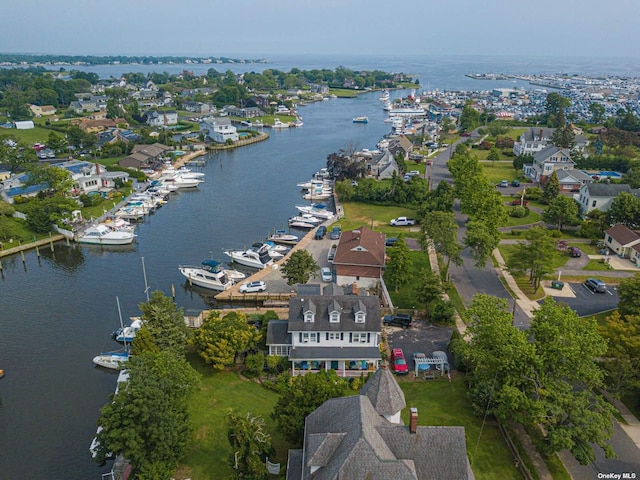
x,y
360,317
280,350
359,338
333,336
334,317
593,204
309,337
308,317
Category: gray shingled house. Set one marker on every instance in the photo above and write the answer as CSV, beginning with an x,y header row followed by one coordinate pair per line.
x,y
363,437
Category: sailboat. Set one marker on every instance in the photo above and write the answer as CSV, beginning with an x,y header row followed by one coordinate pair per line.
x,y
113,360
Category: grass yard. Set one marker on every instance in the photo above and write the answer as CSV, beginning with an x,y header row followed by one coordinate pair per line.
x,y
498,171
405,297
376,216
31,136
531,217
344,92
443,403
219,392
597,265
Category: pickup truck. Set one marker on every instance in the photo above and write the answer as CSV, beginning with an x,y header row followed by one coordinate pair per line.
x,y
402,222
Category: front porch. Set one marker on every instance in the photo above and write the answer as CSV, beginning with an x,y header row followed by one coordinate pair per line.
x,y
344,368
346,361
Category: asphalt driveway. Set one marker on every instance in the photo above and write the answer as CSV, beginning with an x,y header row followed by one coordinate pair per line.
x,y
585,302
421,337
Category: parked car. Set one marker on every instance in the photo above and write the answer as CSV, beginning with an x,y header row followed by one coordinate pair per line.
x,y
326,274
595,285
515,183
253,287
399,320
504,183
335,233
391,241
320,232
575,252
398,362
402,222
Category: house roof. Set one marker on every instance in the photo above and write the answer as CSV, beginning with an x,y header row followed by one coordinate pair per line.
x,y
362,247
547,152
384,392
538,134
623,235
322,305
346,438
607,189
573,176
277,333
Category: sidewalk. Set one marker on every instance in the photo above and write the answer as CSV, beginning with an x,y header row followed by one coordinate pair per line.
x,y
633,424
526,305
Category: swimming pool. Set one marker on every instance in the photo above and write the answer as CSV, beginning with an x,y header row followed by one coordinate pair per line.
x,y
603,173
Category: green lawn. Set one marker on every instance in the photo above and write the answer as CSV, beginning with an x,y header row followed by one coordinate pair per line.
x,y
375,216
31,136
405,297
219,392
498,171
443,403
531,217
597,265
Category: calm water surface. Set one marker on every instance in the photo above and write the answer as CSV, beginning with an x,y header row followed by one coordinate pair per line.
x,y
57,311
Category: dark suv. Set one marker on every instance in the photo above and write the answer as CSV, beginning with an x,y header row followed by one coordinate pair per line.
x,y
399,320
320,232
595,285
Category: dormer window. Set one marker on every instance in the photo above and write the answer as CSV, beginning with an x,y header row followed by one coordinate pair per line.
x,y
309,317
360,317
334,317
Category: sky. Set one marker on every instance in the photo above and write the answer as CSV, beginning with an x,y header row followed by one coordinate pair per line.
x,y
259,28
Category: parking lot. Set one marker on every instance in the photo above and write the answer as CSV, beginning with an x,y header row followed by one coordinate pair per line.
x,y
583,301
420,337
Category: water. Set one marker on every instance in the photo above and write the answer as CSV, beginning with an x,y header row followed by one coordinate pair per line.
x,y
57,311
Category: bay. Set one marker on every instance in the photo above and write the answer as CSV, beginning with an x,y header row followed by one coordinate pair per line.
x,y
57,310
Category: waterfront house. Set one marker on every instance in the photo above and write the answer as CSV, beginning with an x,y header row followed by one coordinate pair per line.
x,y
156,118
145,156
402,145
624,242
599,196
363,437
218,129
547,161
334,331
360,257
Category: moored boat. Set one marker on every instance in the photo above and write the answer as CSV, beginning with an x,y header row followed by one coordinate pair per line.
x,y
361,119
284,238
127,334
101,234
316,210
208,275
255,257
235,275
113,360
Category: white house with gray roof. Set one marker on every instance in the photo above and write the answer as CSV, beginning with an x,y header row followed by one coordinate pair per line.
x,y
363,437
547,161
329,332
599,196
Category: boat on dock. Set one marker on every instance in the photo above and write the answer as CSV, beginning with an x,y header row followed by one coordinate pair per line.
x,y
256,257
209,274
284,238
317,210
101,234
113,360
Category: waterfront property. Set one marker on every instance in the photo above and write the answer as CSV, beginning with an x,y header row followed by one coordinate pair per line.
x,y
360,257
333,331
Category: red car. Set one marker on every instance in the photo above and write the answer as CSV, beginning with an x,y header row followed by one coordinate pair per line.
x,y
398,362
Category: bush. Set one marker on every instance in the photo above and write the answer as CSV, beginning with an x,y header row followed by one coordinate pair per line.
x,y
519,211
533,193
516,233
555,233
254,364
442,312
456,347
90,200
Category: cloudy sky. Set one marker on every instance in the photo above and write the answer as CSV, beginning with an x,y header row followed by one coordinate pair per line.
x,y
256,28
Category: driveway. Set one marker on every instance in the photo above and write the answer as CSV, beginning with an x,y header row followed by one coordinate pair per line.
x,y
421,337
583,301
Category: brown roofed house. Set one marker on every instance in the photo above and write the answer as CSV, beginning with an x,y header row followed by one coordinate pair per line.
x,y
360,257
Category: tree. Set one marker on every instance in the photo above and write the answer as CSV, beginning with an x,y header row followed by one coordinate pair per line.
x,y
629,295
299,267
165,324
494,154
251,444
441,199
621,363
148,419
625,209
429,287
562,211
551,188
521,159
563,137
482,239
300,396
219,340
58,179
535,255
56,143
398,267
594,225
440,230
597,112
446,125
555,104
469,118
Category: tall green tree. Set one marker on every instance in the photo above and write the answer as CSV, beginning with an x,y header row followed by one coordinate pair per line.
x,y
429,287
299,267
594,225
482,239
625,209
562,211
563,137
629,296
148,420
220,339
621,364
535,255
251,444
551,188
301,395
398,267
440,230
469,118
165,323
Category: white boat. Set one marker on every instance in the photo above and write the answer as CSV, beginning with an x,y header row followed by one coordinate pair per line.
x,y
101,234
316,210
278,124
284,238
181,182
405,110
182,171
208,275
306,218
235,275
256,257
127,334
384,96
114,360
318,195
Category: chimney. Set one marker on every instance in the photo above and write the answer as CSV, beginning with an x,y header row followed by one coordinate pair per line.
x,y
540,135
97,168
413,420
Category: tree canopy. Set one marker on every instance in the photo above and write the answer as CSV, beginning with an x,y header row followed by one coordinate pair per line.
x,y
299,267
164,323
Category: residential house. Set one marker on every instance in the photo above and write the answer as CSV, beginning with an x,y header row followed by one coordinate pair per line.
x,y
42,110
363,437
379,164
360,257
91,177
547,161
99,125
572,180
400,145
333,331
196,107
94,103
599,196
624,242
218,129
112,135
14,186
145,156
245,112
157,118
536,139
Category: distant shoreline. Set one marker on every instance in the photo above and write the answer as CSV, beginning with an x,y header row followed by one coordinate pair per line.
x,y
35,60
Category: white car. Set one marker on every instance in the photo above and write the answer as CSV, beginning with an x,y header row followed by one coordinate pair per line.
x,y
326,275
252,287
